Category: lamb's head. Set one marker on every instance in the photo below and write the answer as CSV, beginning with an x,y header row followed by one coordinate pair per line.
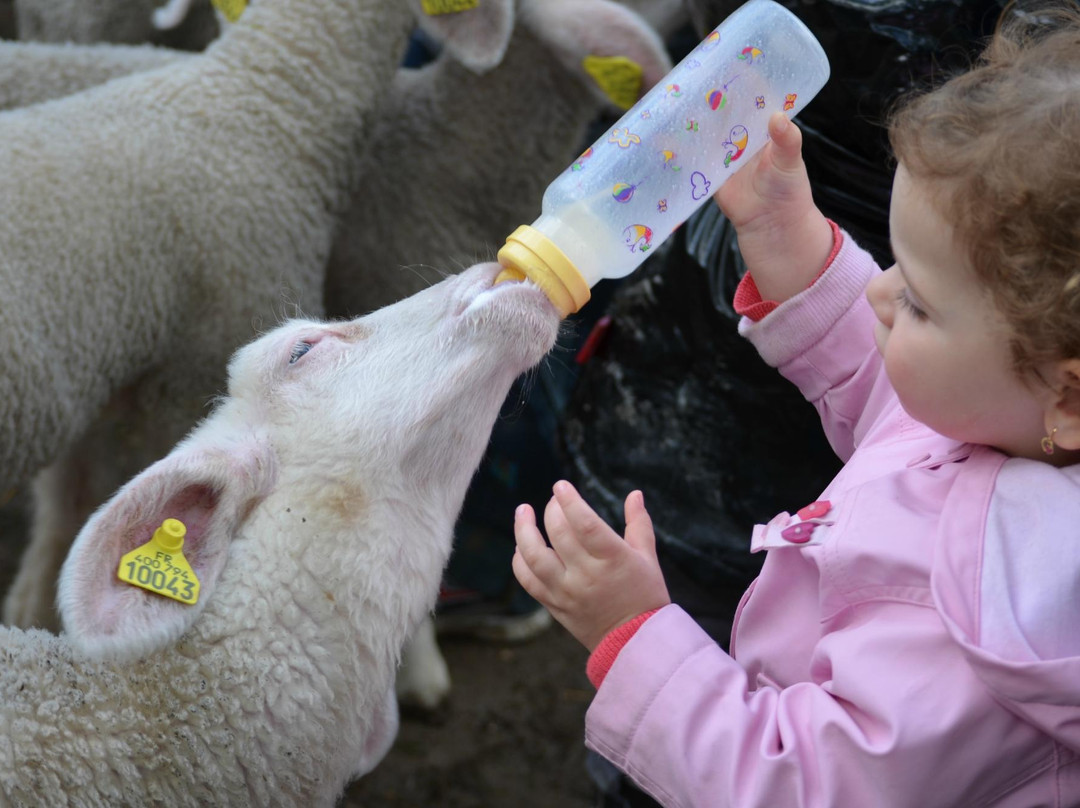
x,y
333,437
401,400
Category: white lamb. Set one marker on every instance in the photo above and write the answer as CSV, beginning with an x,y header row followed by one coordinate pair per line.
x,y
149,225
319,499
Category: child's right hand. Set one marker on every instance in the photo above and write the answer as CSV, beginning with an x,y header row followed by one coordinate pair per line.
x,y
590,578
783,237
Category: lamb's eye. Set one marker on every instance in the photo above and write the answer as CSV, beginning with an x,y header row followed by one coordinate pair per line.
x,y
299,349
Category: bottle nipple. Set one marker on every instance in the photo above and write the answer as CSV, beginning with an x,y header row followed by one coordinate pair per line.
x,y
528,253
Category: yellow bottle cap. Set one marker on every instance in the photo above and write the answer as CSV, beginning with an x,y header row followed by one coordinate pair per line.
x,y
528,253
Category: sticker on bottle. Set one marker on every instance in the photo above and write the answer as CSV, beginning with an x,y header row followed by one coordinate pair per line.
x,y
619,77
159,565
433,8
230,9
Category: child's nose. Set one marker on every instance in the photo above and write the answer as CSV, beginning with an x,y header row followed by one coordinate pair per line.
x,y
881,294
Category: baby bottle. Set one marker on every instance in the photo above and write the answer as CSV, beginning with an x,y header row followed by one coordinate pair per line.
x,y
668,154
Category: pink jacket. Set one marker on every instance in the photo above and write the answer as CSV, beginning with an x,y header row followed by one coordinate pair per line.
x,y
915,642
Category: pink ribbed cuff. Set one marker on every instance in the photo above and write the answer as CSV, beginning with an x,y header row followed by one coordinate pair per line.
x,y
603,656
748,302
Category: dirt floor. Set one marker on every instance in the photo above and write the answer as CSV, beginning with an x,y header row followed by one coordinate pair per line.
x,y
511,734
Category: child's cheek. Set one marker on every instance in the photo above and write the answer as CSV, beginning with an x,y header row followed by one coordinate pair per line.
x,y
906,380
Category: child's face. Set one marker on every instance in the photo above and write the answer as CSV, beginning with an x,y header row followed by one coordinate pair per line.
x,y
946,347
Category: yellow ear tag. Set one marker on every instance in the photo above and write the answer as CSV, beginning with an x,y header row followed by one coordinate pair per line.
x,y
232,9
434,8
618,76
160,566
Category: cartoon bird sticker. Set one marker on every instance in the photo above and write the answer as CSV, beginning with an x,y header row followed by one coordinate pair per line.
x,y
638,238
737,139
749,54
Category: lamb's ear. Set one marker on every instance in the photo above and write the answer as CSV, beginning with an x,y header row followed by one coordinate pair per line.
x,y
474,32
619,54
211,489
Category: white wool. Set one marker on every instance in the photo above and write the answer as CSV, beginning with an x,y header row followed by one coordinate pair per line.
x,y
433,123
150,225
32,72
320,497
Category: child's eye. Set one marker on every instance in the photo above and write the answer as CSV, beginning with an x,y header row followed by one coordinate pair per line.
x,y
906,303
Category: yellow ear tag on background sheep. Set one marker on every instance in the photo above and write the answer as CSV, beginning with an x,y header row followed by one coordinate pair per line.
x,y
619,77
434,8
231,9
160,566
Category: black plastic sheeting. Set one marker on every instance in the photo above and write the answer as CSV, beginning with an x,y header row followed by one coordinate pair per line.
x,y
675,402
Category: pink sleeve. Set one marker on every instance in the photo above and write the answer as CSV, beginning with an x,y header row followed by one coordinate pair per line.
x,y
822,340
890,714
604,654
748,302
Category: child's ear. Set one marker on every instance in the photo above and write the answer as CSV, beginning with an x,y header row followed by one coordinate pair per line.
x,y
619,55
477,35
210,488
1063,411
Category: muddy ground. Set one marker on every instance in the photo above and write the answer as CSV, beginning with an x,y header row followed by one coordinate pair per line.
x,y
511,734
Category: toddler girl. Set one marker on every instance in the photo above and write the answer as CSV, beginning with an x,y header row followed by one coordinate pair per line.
x,y
914,635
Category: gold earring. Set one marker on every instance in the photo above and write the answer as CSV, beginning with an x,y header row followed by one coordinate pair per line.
x,y
1047,443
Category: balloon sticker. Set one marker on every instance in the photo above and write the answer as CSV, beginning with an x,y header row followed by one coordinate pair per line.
x,y
623,192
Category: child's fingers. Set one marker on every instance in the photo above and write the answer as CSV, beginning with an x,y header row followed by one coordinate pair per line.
x,y
593,534
786,143
531,547
639,526
562,535
527,578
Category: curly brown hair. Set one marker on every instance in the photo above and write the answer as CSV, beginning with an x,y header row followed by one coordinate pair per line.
x,y
1002,144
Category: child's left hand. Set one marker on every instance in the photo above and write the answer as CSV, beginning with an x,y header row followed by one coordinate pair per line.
x,y
590,579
